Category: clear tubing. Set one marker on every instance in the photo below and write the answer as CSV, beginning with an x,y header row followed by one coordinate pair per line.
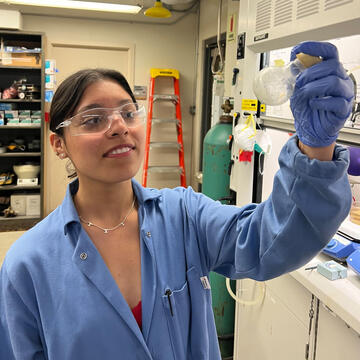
x,y
259,299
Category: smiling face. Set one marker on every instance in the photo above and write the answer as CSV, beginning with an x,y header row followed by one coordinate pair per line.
x,y
110,157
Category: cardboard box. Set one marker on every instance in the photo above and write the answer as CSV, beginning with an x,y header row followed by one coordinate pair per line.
x,y
5,106
25,121
18,204
21,59
33,205
36,113
15,121
11,19
24,113
11,114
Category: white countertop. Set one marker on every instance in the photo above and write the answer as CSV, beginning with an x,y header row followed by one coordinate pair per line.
x,y
341,296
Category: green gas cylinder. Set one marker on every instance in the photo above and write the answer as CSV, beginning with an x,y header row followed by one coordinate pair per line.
x,y
216,185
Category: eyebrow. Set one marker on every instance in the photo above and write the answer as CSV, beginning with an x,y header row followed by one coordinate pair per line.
x,y
95,105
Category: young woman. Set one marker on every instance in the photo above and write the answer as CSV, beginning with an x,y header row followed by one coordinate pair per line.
x,y
119,271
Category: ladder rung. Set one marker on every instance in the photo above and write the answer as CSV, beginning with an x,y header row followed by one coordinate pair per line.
x,y
166,169
166,97
158,121
163,98
165,145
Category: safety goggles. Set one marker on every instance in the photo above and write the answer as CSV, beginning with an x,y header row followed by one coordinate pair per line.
x,y
99,120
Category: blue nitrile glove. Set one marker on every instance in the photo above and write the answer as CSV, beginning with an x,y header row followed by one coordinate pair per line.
x,y
323,96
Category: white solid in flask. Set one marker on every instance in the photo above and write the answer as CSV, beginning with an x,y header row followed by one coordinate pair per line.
x,y
274,85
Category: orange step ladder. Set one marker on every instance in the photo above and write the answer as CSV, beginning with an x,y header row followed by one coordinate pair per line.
x,y
175,99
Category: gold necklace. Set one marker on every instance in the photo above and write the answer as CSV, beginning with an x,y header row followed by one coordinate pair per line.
x,y
107,230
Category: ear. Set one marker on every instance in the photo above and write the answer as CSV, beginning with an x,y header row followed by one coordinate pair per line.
x,y
58,145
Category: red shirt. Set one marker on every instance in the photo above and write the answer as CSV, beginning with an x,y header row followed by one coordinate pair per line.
x,y
137,314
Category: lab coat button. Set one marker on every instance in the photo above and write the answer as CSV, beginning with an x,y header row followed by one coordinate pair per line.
x,y
148,234
83,256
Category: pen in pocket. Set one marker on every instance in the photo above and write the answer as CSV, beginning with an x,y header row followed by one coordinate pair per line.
x,y
168,293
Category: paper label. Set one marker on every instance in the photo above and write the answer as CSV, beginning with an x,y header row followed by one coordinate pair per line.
x,y
249,104
205,282
27,182
140,92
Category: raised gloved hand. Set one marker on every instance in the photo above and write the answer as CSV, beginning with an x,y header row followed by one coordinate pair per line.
x,y
323,96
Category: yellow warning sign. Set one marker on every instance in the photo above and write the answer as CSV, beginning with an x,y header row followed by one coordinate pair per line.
x,y
249,104
262,107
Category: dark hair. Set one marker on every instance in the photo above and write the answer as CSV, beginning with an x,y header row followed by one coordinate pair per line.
x,y
70,91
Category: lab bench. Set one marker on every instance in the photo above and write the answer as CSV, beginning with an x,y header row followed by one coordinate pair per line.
x,y
279,327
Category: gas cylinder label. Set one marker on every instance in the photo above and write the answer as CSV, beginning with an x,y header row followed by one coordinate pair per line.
x,y
249,104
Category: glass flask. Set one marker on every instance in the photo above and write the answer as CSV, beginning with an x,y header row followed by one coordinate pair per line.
x,y
274,85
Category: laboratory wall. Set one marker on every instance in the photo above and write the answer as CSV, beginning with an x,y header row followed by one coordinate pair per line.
x,y
162,46
207,28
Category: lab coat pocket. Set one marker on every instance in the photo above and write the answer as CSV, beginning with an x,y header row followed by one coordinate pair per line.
x,y
203,337
177,309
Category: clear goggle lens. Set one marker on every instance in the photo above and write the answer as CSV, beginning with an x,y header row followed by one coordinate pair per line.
x,y
99,120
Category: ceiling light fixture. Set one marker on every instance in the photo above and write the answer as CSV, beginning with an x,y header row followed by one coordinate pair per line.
x,y
78,5
158,11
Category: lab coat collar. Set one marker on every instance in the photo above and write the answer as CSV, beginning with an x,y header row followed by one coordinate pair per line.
x,y
67,208
144,194
70,215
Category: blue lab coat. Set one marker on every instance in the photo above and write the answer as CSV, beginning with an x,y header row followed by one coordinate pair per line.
x,y
58,300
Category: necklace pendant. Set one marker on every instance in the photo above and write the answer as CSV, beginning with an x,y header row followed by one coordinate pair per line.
x,y
106,231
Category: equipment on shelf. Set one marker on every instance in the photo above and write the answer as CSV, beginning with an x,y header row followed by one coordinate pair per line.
x,y
20,89
9,212
21,118
4,204
6,178
27,173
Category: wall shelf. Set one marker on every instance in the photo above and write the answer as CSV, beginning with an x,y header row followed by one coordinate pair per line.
x,y
19,101
20,67
19,218
18,187
34,74
37,126
22,154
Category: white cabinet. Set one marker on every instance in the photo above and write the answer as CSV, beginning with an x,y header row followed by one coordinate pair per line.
x,y
278,328
275,329
335,339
